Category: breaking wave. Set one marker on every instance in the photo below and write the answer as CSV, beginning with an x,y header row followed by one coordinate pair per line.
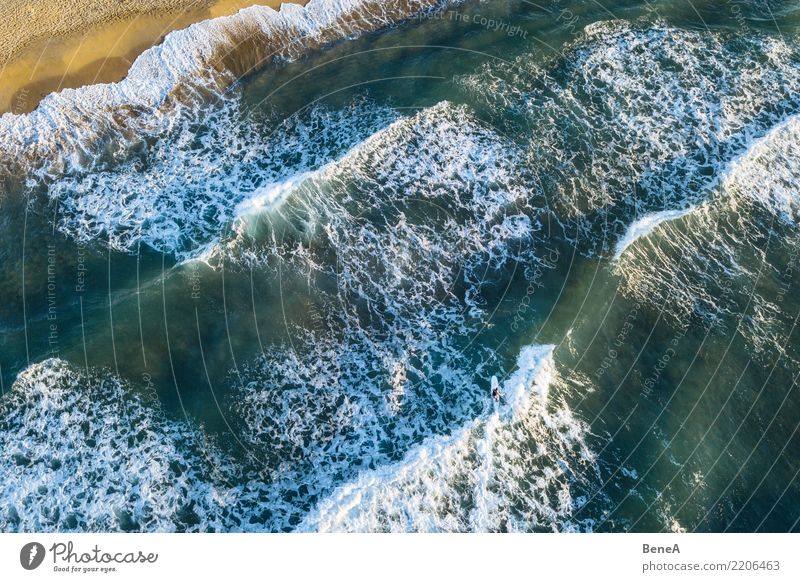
x,y
72,129
630,121
84,453
405,243
512,469
183,190
733,257
644,227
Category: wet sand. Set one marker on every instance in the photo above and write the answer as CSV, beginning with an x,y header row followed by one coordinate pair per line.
x,y
50,45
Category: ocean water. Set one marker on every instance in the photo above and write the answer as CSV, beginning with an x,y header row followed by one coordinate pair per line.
x,y
267,282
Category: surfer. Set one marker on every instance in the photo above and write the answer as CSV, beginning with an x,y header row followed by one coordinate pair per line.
x,y
496,394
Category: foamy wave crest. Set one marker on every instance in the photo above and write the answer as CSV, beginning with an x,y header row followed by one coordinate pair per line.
x,y
629,121
180,193
72,128
645,227
730,260
510,470
441,159
83,453
403,247
768,172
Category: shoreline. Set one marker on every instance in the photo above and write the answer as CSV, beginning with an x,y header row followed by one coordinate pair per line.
x,y
87,43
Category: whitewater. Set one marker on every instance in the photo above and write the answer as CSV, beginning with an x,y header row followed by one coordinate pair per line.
x,y
269,281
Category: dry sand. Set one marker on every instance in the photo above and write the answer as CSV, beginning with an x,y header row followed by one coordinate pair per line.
x,y
47,45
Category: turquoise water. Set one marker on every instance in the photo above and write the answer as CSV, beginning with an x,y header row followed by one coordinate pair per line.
x,y
280,305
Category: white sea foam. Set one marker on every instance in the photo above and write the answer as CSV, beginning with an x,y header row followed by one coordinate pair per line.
x,y
207,56
506,470
84,453
768,172
714,266
629,121
412,225
644,227
433,156
183,192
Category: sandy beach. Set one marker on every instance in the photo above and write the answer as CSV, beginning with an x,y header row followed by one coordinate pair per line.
x,y
54,44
